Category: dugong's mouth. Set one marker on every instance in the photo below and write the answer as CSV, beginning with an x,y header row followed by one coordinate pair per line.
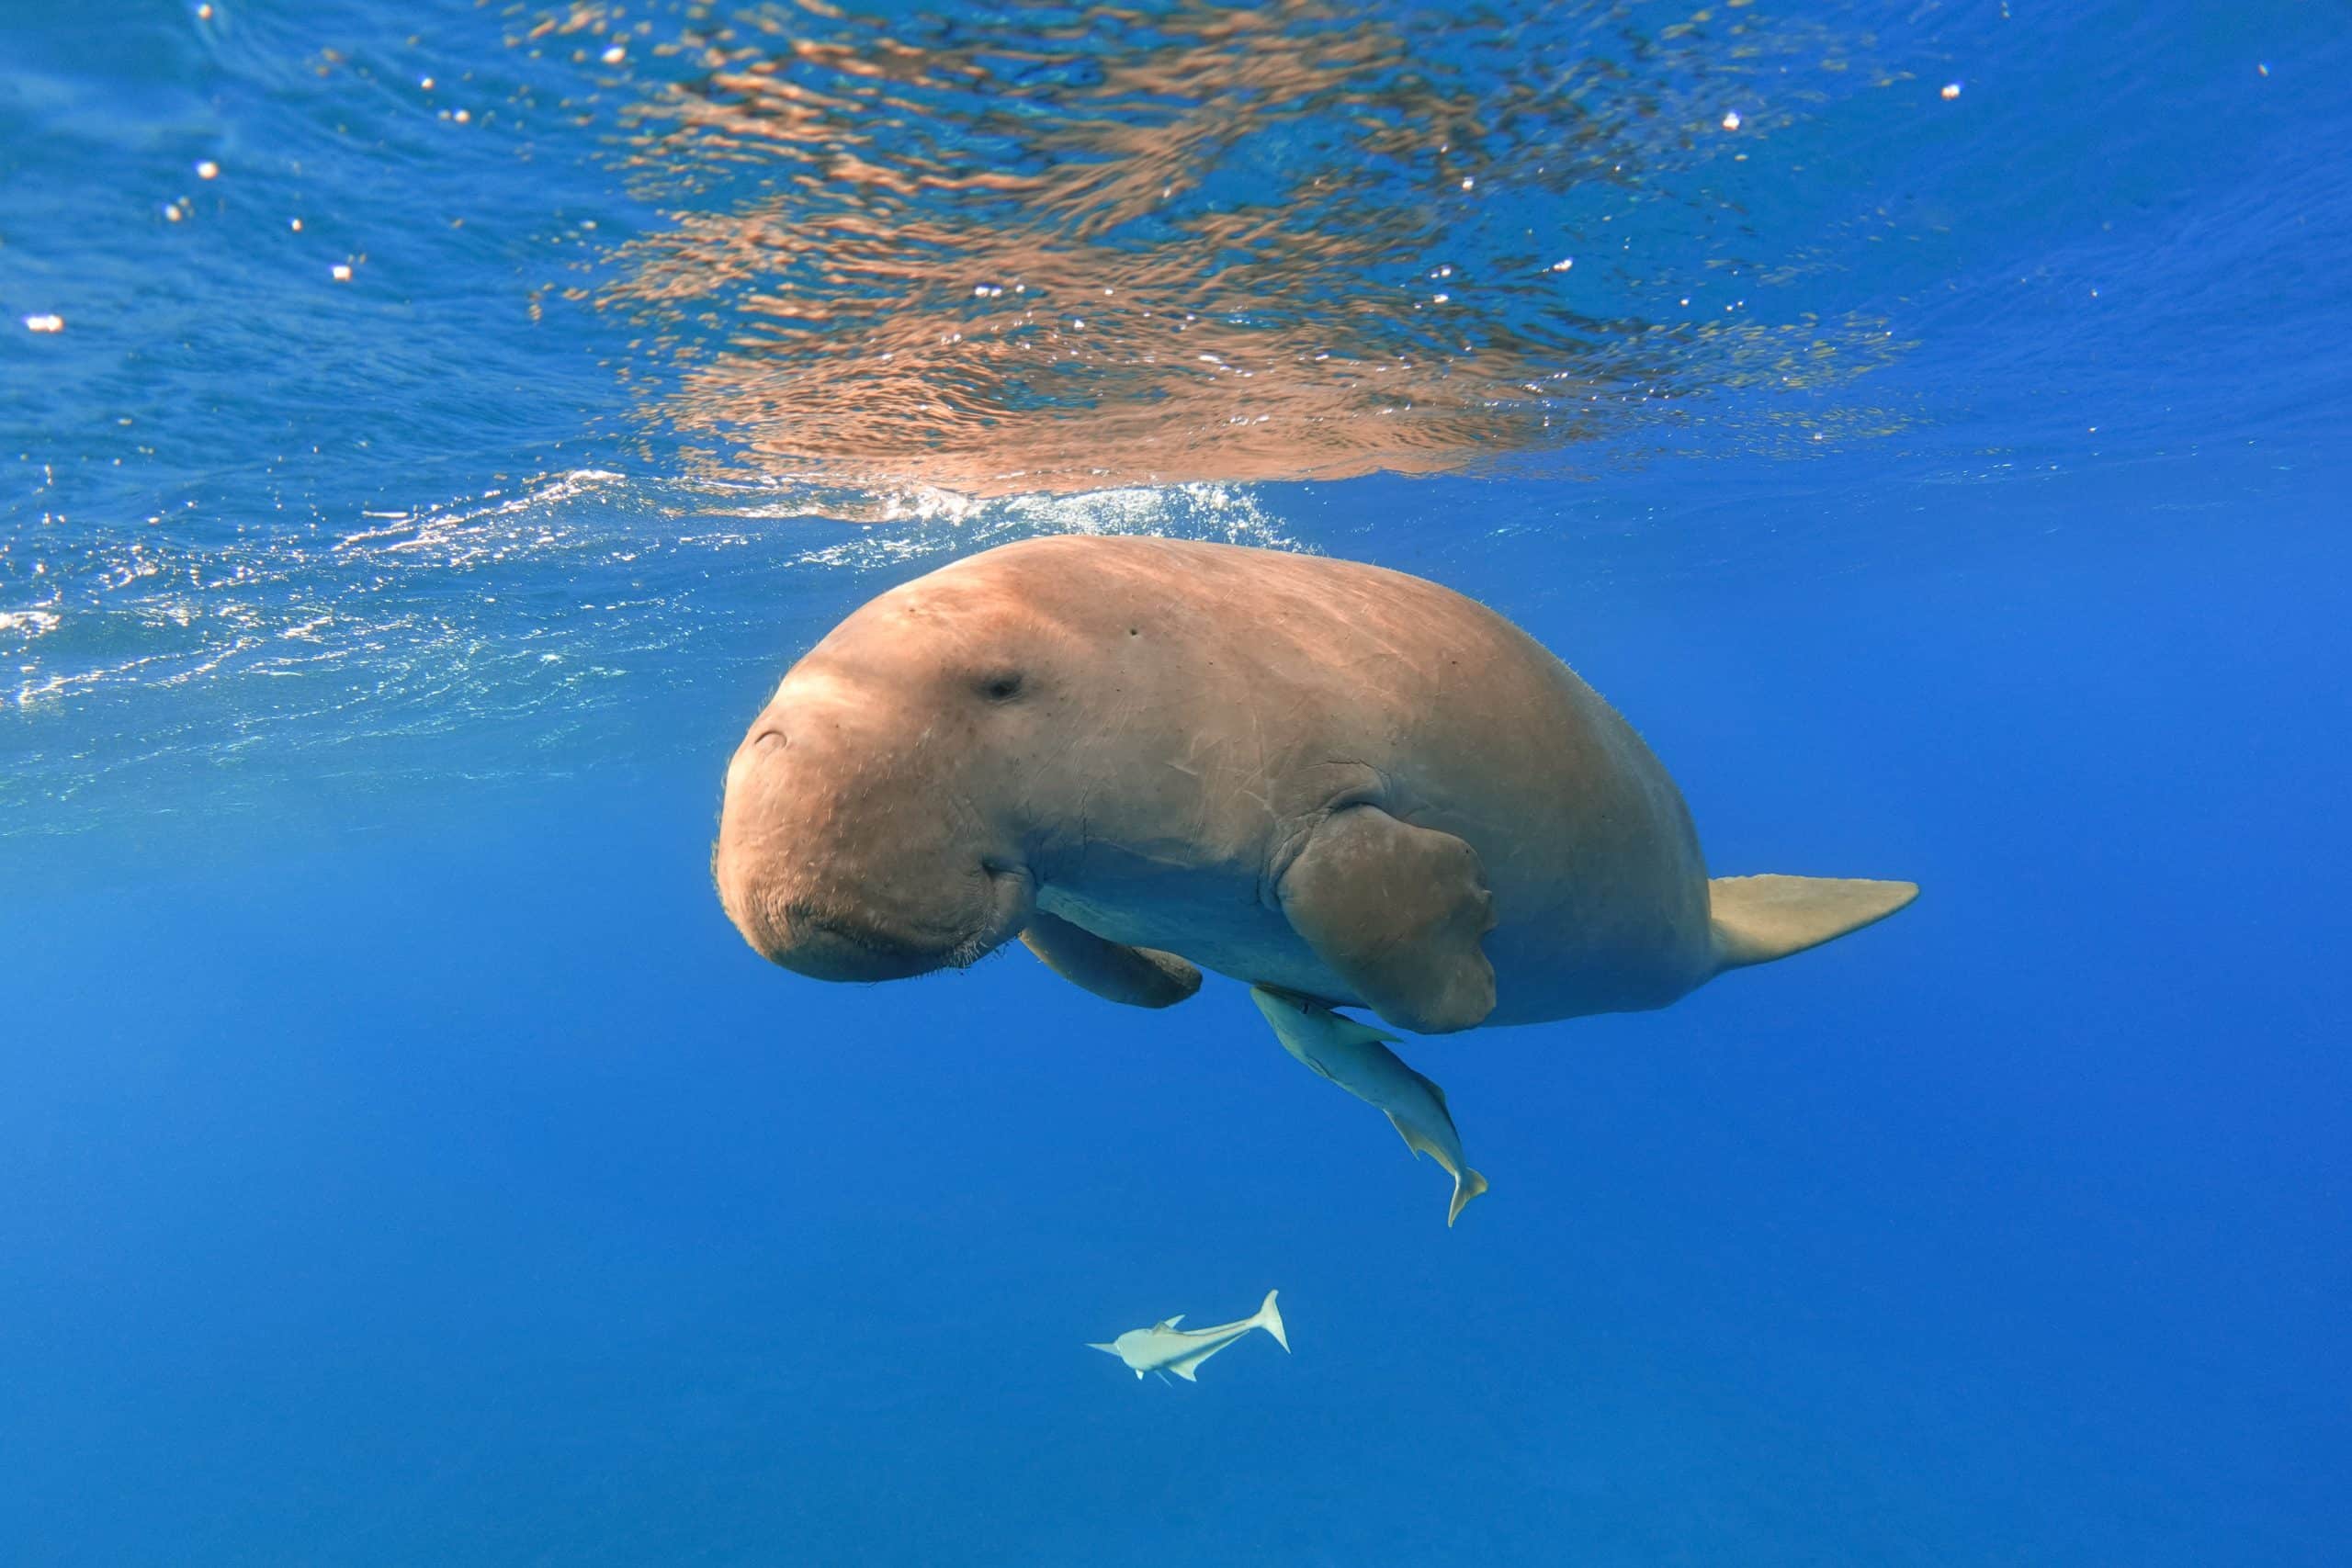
x,y
831,946
829,942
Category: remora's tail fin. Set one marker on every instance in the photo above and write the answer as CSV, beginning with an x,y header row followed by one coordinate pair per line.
x,y
1269,1318
1467,1185
1759,919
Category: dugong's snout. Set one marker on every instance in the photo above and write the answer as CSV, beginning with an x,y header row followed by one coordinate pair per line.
x,y
827,872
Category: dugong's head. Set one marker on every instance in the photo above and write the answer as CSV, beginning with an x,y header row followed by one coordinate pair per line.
x,y
873,820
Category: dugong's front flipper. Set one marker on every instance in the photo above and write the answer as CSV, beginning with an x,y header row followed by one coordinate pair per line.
x,y
1140,976
1395,911
1356,1057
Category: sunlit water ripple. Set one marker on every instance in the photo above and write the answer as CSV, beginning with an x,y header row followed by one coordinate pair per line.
x,y
536,610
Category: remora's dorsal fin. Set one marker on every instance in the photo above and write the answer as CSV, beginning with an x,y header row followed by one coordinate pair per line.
x,y
1405,1133
1422,1145
1759,919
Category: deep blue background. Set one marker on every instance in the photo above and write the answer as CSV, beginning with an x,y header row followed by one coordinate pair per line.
x,y
462,1189
422,1170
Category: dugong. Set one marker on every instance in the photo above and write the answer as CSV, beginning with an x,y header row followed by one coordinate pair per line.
x,y
1148,757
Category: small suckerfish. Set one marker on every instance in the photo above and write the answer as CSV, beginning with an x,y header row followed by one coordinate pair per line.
x,y
1164,1347
1354,1056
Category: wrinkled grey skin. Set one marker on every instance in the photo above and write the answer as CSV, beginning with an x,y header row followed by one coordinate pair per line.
x,y
1245,758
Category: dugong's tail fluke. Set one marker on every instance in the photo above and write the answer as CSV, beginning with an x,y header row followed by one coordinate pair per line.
x,y
1759,919
1270,1319
1467,1184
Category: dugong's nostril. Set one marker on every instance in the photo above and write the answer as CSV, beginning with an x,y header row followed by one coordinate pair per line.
x,y
765,743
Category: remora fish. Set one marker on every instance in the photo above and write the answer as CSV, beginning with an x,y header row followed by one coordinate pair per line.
x,y
1352,1055
1166,1348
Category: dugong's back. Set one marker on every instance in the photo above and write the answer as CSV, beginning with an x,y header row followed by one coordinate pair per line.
x,y
1269,687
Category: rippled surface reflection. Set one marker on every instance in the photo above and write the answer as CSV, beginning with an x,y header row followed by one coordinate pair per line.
x,y
382,654
1055,248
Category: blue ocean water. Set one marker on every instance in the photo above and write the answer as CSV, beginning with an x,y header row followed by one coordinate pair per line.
x,y
1936,446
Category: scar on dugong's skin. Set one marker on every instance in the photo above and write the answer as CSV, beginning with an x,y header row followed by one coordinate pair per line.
x,y
1149,757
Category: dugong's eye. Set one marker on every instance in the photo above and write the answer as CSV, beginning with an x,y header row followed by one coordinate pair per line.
x,y
1003,686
